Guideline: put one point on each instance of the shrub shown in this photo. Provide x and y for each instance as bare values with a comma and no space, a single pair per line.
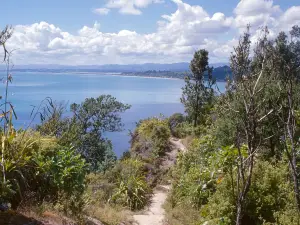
19,166
132,188
100,188
183,130
151,138
132,192
62,170
174,122
194,180
268,201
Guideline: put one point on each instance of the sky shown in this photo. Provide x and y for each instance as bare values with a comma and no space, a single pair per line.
96,32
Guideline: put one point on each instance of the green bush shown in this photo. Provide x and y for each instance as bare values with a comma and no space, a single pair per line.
62,170
183,130
132,192
132,189
194,180
151,138
36,165
268,202
175,121
19,166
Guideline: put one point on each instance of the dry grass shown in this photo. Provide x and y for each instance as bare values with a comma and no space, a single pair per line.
187,141
182,215
47,214
111,215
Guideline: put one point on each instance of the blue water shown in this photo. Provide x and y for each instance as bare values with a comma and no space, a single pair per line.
147,96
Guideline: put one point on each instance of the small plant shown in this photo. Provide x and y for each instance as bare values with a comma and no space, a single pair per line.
132,192
132,188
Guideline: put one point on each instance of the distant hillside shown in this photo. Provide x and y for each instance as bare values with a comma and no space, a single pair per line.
174,67
175,70
220,73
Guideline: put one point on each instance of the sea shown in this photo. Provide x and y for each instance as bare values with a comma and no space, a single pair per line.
147,96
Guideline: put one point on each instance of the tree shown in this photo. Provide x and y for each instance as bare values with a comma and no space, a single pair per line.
85,130
286,60
198,92
244,102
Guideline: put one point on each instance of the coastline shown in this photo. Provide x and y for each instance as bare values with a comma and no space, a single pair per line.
119,74
101,73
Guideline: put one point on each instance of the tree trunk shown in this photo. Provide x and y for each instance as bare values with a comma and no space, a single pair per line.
291,126
196,111
239,215
296,185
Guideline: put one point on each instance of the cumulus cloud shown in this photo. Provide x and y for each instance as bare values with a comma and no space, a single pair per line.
131,6
290,17
258,13
177,36
101,11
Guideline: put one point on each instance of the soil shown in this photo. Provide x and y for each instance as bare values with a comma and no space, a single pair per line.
155,213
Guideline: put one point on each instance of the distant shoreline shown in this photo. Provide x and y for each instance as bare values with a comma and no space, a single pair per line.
119,74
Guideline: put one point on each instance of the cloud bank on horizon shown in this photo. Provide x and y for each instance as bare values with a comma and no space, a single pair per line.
176,37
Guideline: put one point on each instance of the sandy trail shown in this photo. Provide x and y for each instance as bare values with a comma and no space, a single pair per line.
177,144
155,213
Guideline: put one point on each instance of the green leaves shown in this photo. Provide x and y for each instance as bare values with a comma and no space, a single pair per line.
85,129
151,137
132,189
91,119
61,171
198,93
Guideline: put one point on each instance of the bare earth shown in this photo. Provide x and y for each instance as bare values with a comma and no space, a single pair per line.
155,213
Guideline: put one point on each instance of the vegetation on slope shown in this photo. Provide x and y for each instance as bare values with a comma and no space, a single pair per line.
241,167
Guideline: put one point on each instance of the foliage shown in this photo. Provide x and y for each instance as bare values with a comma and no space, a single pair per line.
62,171
53,123
85,130
132,189
175,121
39,165
248,152
151,138
198,92
100,188
266,200
180,214
194,181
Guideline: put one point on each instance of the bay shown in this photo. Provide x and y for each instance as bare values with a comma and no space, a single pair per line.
147,96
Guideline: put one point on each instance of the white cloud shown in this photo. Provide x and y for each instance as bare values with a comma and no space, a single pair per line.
290,17
258,13
101,11
131,6
178,35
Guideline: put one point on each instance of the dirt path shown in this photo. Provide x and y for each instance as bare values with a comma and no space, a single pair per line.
155,213
177,144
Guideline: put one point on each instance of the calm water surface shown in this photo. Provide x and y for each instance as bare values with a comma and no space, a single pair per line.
147,96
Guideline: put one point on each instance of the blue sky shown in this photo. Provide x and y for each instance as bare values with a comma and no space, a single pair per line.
136,31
